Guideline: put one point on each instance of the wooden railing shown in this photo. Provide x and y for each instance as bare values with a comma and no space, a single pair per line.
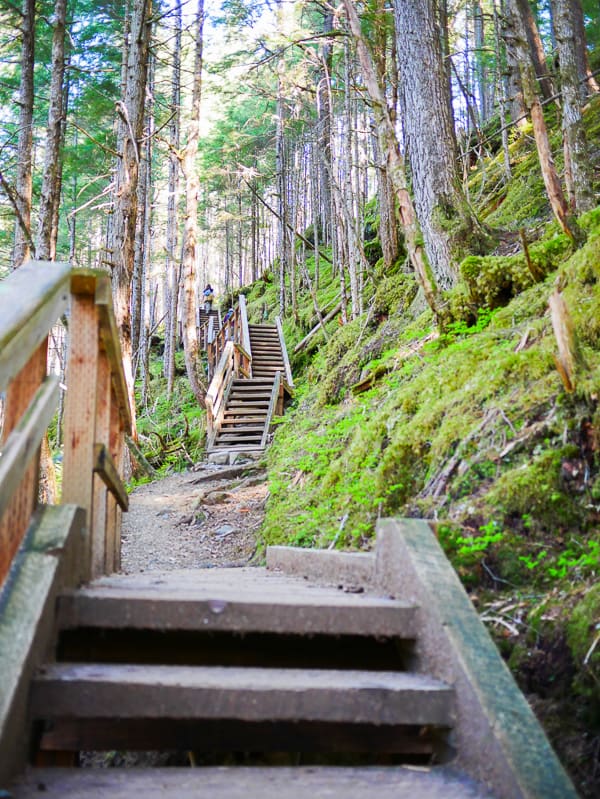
288,369
234,362
236,330
96,411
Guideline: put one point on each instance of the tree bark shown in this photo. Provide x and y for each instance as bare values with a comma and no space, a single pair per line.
532,101
172,262
579,186
51,181
536,48
191,345
23,187
130,131
389,145
448,225
588,84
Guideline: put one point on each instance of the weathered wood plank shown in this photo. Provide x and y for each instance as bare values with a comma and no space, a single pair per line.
17,514
100,514
106,469
80,409
176,605
392,782
102,690
112,345
23,442
231,736
31,300
46,564
271,409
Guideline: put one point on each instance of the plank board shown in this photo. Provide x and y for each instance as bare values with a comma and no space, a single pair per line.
307,782
83,690
241,599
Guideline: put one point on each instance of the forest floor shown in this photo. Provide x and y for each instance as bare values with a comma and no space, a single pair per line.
203,518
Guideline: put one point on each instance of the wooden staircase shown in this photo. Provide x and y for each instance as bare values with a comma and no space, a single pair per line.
248,386
247,415
322,678
267,355
234,660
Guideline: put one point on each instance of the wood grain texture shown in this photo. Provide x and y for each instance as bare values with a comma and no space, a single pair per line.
24,441
131,691
17,514
31,300
80,409
99,515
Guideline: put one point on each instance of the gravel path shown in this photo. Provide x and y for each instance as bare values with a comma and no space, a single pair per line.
200,519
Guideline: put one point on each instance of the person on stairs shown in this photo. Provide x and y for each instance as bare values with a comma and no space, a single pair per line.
209,296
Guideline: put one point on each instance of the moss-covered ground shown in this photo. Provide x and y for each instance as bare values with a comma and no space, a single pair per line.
472,428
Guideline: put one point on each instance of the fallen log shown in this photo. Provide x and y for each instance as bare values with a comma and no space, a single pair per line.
317,327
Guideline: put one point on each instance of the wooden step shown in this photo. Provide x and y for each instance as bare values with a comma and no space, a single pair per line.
234,415
240,434
251,391
247,782
242,420
129,691
237,600
246,429
249,404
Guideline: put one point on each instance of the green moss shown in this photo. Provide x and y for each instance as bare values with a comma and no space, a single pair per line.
534,487
494,280
584,628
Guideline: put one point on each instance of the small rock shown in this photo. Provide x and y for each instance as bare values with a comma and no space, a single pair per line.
225,529
216,497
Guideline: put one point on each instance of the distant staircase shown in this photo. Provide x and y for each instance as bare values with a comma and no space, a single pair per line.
251,376
267,355
247,415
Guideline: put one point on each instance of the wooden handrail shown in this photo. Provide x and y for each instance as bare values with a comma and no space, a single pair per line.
245,329
97,413
288,369
272,407
31,299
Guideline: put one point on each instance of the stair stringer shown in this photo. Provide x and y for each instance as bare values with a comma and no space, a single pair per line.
496,737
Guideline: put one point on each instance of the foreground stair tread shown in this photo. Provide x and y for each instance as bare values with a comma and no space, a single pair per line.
302,782
100,690
249,599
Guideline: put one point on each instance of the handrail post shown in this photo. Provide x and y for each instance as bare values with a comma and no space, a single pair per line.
286,360
80,413
245,329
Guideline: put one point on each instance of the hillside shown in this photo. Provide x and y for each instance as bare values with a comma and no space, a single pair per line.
468,425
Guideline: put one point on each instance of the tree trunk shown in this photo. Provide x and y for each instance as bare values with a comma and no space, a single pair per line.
191,345
143,201
449,228
130,131
536,48
50,195
551,180
513,89
23,240
324,129
389,145
173,272
579,186
587,82
480,63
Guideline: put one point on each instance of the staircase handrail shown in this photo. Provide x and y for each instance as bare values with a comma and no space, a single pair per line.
274,401
288,369
245,329
96,414
217,391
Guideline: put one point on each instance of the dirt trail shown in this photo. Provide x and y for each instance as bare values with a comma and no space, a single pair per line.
199,519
